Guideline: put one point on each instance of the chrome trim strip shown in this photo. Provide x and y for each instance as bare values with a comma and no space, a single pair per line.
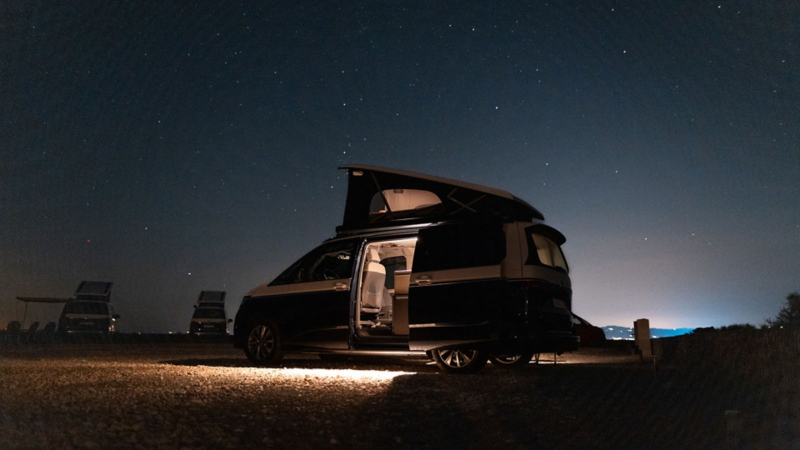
301,288
460,274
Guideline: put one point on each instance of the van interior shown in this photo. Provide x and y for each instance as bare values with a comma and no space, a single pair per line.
383,293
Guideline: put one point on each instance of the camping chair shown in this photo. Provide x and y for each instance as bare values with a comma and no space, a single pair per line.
12,332
31,333
47,333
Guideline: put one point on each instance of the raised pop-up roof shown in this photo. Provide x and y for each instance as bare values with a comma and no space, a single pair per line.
378,197
94,290
216,298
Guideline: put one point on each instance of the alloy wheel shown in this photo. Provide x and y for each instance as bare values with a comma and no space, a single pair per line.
261,342
457,358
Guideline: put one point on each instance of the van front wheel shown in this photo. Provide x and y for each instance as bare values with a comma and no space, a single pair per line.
263,344
460,361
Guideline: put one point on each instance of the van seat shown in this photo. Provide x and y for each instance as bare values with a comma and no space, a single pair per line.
372,288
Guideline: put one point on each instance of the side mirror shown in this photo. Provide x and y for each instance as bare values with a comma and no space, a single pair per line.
230,320
115,316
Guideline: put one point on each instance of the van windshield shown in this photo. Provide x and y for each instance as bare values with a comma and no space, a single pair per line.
86,308
542,250
209,313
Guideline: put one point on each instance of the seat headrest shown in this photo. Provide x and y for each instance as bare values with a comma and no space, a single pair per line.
373,255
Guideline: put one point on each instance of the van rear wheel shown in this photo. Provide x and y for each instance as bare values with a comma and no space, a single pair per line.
511,361
263,344
460,361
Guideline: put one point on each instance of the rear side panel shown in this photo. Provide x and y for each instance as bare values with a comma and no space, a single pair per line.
471,287
456,288
447,311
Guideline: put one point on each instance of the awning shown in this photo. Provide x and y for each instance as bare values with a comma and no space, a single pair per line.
43,299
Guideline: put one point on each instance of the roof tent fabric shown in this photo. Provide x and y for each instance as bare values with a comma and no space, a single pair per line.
94,290
459,200
211,297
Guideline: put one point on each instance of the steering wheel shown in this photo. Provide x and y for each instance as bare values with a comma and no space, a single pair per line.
330,274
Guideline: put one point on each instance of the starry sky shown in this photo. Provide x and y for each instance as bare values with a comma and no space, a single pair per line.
177,148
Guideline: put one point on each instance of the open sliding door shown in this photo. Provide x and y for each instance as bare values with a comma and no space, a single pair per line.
455,280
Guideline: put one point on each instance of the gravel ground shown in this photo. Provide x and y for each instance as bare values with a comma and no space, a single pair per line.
205,395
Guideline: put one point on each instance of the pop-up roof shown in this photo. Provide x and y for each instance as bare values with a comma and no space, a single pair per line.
378,197
94,290
215,297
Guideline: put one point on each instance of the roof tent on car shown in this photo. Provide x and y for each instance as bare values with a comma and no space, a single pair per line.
94,290
379,197
211,298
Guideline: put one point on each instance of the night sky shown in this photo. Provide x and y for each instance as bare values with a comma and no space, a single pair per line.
174,149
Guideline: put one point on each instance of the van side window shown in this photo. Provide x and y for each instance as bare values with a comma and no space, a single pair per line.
542,250
80,307
328,262
458,246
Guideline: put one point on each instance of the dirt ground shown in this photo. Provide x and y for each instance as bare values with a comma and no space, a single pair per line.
207,396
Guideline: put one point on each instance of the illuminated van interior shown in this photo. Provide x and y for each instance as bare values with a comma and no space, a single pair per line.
383,294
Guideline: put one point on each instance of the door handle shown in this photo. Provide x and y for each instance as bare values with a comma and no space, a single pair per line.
339,287
423,280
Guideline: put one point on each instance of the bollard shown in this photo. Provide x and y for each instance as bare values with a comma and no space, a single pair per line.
641,336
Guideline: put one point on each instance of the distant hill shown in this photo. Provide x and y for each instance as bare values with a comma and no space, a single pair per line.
614,332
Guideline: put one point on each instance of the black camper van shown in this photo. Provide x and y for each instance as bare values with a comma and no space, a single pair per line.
89,312
209,314
420,264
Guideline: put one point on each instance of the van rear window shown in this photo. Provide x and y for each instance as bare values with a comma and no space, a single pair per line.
86,308
209,313
542,250
459,246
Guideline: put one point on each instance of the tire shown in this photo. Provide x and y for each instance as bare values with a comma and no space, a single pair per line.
518,361
460,361
263,343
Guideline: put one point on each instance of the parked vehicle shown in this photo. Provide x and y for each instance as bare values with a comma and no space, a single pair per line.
209,315
90,311
590,335
420,264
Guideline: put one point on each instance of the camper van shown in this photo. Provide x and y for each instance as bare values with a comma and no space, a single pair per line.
420,265
89,312
209,314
